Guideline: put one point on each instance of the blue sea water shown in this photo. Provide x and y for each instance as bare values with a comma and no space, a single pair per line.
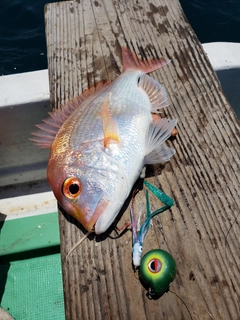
22,37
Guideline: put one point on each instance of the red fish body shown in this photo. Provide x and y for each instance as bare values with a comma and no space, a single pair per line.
101,140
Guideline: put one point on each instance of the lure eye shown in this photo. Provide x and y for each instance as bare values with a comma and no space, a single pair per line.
154,265
71,188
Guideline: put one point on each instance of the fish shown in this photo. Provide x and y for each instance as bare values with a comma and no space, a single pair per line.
101,140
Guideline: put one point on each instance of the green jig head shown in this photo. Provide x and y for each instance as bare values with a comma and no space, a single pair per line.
157,270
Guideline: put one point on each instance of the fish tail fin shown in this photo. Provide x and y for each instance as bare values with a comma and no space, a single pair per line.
131,61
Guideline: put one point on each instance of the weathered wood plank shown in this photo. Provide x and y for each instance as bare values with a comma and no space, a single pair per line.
84,40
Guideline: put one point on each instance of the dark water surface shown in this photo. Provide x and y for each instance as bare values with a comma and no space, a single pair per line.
214,20
22,37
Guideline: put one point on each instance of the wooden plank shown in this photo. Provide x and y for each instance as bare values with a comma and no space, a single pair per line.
84,40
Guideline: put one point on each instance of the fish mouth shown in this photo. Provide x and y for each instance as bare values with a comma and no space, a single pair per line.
89,225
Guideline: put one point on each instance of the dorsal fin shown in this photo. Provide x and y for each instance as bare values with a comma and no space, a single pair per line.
51,125
131,61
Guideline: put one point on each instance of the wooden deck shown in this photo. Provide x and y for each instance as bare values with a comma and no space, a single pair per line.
84,40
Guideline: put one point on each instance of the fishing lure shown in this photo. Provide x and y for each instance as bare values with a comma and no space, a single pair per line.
138,232
157,270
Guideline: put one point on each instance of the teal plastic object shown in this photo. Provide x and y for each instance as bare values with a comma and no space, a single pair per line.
27,237
31,289
157,271
30,268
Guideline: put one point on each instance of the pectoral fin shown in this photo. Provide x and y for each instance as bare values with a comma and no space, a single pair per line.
156,150
156,93
110,128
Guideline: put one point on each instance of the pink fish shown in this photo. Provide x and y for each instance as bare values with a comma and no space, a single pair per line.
100,141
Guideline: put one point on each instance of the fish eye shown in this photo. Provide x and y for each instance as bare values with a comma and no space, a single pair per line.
71,188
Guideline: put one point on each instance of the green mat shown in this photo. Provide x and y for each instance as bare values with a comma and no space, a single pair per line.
30,268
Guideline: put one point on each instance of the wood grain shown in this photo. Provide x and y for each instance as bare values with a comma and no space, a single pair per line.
84,40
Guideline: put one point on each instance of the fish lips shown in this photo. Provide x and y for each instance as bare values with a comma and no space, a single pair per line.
89,218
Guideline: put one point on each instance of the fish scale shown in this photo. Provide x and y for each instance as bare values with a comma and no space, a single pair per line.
88,122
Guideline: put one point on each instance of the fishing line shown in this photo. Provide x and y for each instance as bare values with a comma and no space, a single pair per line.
78,243
190,315
151,297
136,276
124,229
226,241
